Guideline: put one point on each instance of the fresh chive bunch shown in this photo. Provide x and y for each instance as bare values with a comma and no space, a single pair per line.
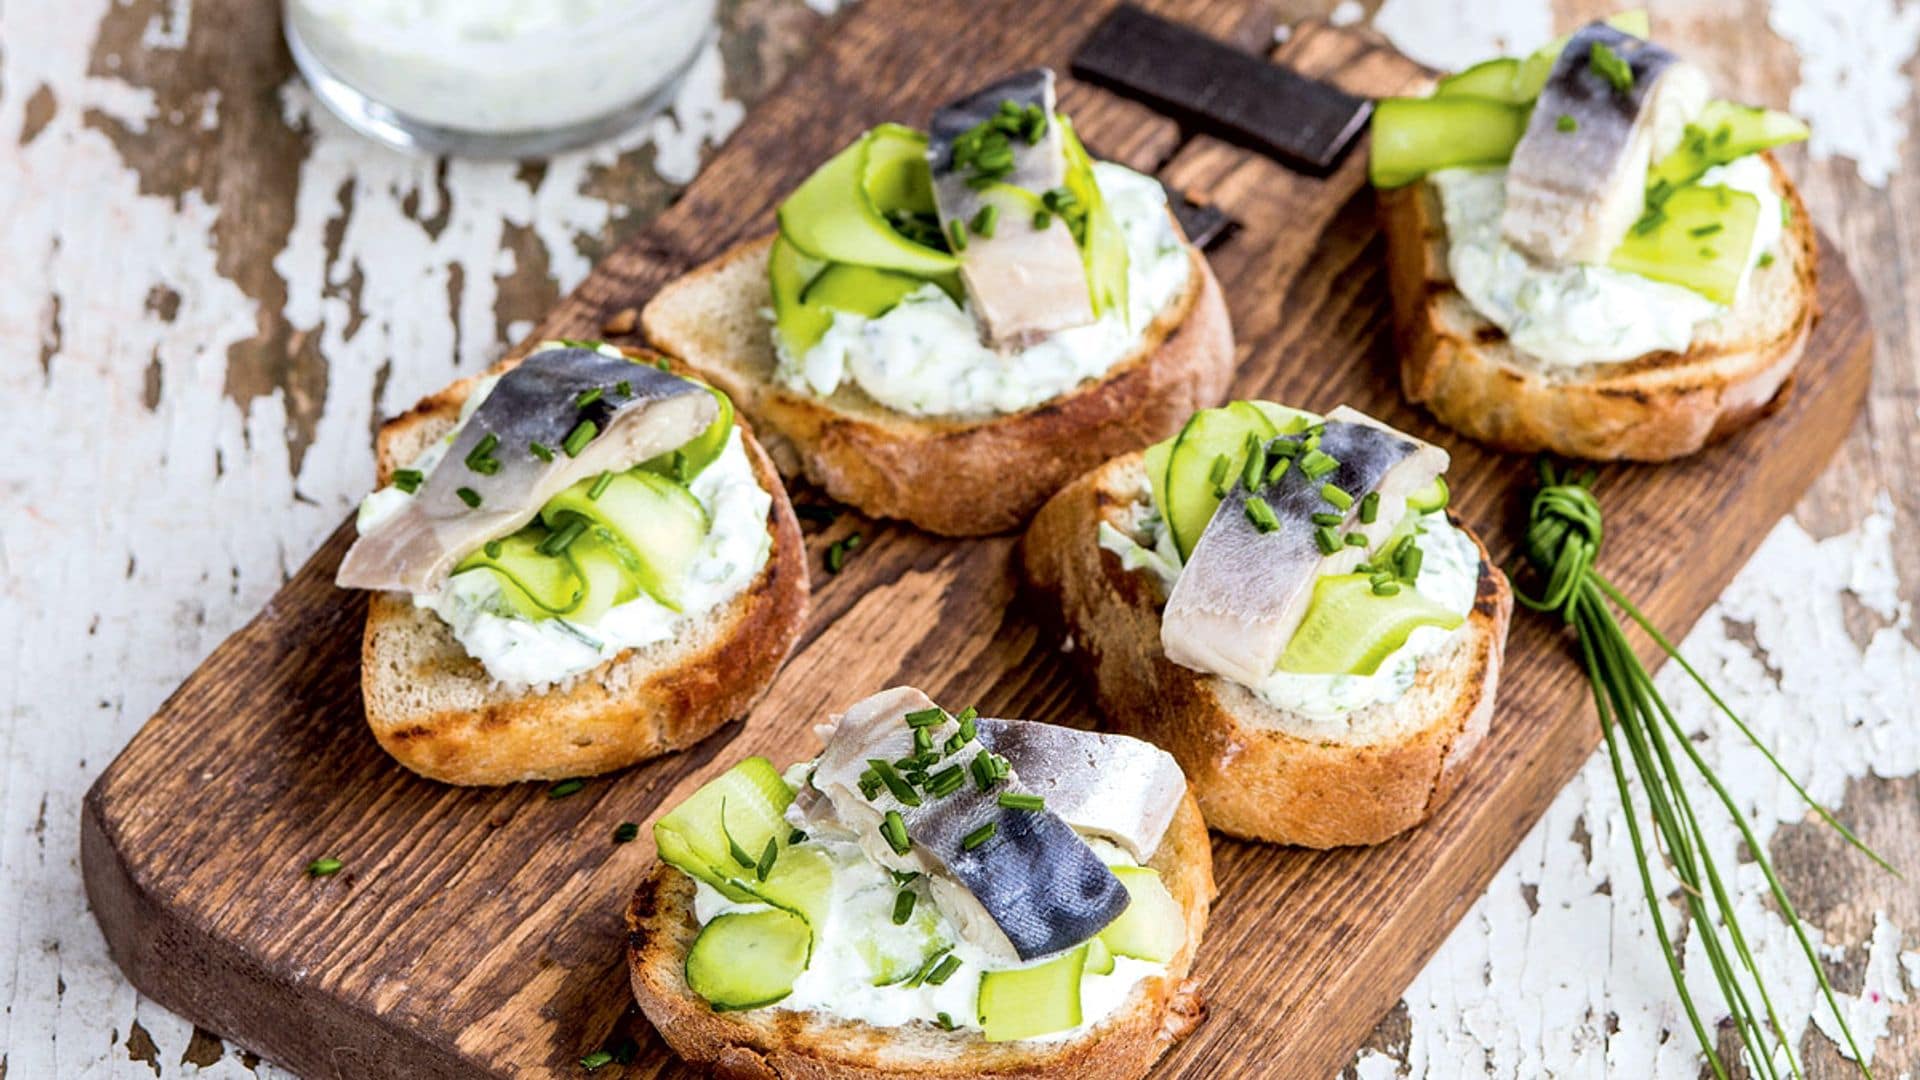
1563,545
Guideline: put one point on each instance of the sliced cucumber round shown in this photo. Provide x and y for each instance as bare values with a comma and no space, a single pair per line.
799,324
1495,79
702,450
1192,495
801,879
831,216
1415,136
656,521
694,837
534,584
1027,1002
1152,927
1099,957
1349,629
748,959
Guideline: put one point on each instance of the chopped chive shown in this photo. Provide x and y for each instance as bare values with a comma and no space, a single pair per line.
588,397
1017,800
662,364
577,439
596,1060
1336,495
904,877
565,788
625,832
895,785
1279,469
1705,230
480,459
767,857
1286,448
600,486
1370,508
979,836
894,829
1261,514
903,902
944,970
982,773
927,967
540,450
468,496
957,235
966,719
955,742
922,742
1217,475
796,837
838,551
1317,463
984,221
1766,259
1042,218
944,1021
492,548
1608,65
1256,466
1386,588
557,542
408,480
623,388
1327,518
1410,564
1324,538
1354,539
920,718
325,866
1566,123
946,781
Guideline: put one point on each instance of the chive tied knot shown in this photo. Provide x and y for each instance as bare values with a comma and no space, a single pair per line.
1564,529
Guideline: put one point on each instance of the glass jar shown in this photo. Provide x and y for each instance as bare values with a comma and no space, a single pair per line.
495,78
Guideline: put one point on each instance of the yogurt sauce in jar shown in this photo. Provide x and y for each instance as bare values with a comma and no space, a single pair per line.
498,78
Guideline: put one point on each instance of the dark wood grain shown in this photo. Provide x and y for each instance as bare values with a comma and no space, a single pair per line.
478,932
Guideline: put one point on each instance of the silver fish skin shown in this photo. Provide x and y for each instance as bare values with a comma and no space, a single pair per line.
1025,283
1572,195
1243,593
1122,789
416,549
1034,889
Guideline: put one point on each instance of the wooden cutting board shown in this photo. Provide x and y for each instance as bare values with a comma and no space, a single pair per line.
478,932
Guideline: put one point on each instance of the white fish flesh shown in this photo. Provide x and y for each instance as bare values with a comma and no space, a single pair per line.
1024,283
1032,889
1122,789
1243,592
538,401
1576,185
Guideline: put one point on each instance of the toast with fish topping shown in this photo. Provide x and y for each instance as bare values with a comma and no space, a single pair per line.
948,326
449,714
1647,291
1058,946
1300,713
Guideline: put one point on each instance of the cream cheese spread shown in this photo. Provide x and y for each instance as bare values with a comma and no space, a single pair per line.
838,979
924,357
1449,576
1579,314
521,651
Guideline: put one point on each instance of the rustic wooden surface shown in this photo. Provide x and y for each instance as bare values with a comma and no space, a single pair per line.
244,420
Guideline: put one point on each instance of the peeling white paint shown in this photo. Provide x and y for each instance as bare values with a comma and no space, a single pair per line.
1853,82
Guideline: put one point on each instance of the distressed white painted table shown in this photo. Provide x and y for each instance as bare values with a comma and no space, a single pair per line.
214,291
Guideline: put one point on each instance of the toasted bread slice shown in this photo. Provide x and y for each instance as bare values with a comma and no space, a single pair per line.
952,476
1261,773
1655,407
435,709
765,1044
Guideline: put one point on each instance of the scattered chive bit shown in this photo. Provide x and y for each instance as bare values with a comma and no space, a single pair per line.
1608,65
904,877
1370,508
600,486
325,866
1649,221
588,397
1286,448
1326,517
944,970
1566,123
894,829
1218,474
979,836
1410,564
922,742
768,855
480,459
596,1060
1705,230
892,780
1336,495
838,551
1256,466
796,837
625,832
577,439
953,744
624,388
1708,252
561,540
565,788
1261,514
408,480
982,773
946,781
920,718
662,364
1766,259
984,221
1042,218
926,968
817,513
957,235
1386,588
1017,800
1317,463
468,496
944,1021
903,902
1279,469
734,849
1354,539
492,548
540,450
1324,538
966,718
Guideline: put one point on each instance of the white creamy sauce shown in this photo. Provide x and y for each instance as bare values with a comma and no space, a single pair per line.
839,978
1449,576
1580,314
536,652
498,66
924,356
